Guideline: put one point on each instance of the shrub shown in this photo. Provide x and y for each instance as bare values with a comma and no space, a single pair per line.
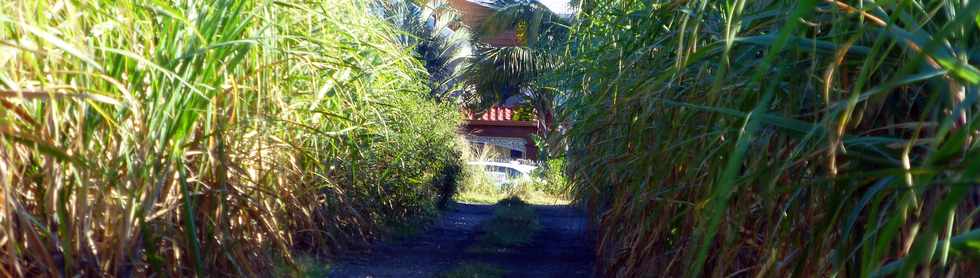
550,178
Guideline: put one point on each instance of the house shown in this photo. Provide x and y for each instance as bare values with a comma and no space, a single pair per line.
499,132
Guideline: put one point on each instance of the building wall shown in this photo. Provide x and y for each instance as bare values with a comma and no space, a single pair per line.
521,130
474,15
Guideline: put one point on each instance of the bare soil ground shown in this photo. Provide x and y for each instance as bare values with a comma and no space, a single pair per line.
560,249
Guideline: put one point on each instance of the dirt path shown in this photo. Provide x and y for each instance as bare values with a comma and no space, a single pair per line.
559,249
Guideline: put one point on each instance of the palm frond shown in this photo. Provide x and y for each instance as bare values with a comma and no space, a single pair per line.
433,31
540,23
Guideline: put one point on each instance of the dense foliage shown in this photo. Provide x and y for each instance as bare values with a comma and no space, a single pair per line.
775,138
434,32
207,137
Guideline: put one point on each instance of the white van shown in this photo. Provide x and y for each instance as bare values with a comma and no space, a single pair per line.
503,173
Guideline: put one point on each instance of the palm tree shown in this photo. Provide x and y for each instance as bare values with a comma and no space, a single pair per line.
445,49
498,73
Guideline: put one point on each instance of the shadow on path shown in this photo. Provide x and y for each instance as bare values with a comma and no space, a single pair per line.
560,249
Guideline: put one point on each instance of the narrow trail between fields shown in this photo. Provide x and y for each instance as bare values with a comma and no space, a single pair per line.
561,248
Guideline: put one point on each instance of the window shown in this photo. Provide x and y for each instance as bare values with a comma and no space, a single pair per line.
516,154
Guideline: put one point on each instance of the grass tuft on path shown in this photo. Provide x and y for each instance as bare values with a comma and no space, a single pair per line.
475,270
514,224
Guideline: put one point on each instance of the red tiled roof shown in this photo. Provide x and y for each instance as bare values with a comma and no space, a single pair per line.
494,114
